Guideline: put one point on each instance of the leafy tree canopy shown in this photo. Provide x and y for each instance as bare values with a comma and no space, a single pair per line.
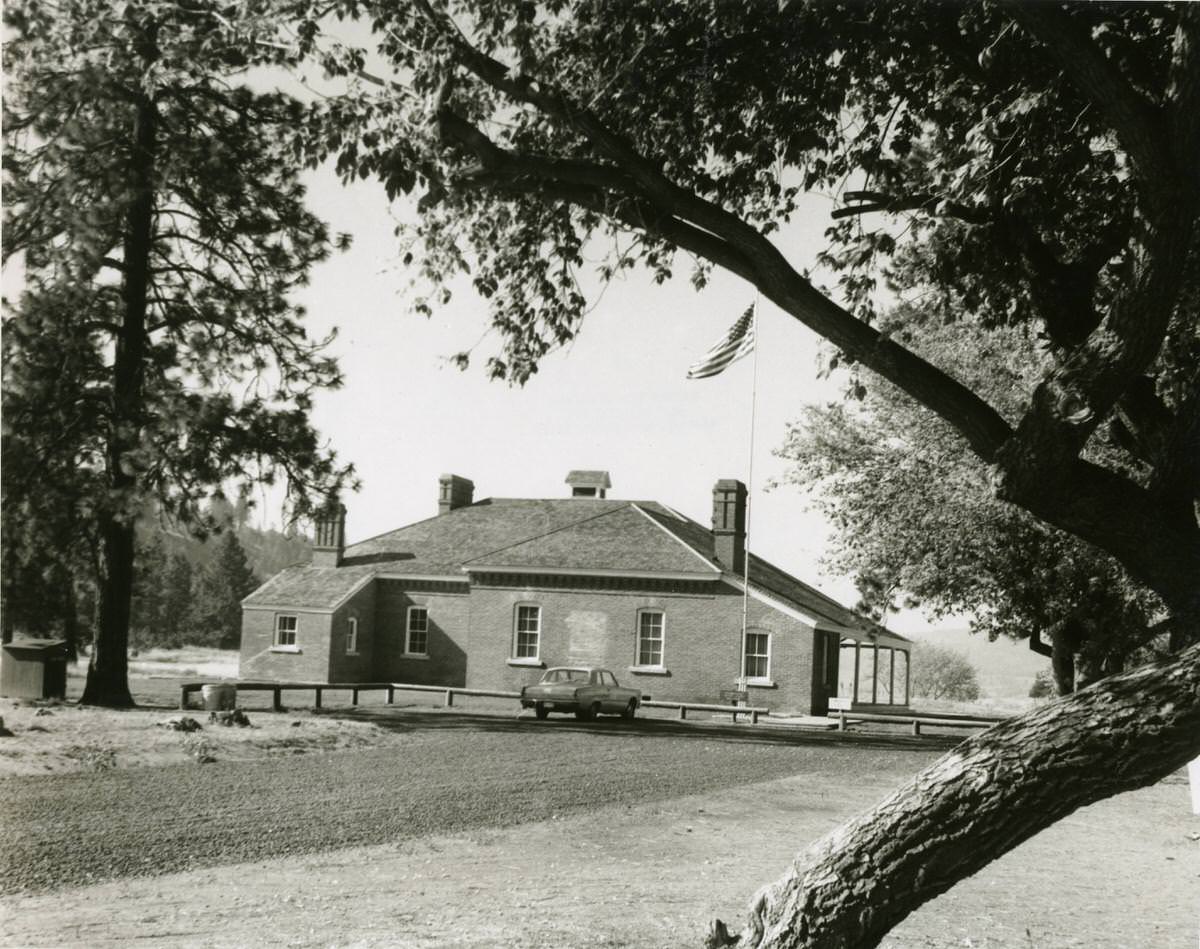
155,201
917,518
1026,164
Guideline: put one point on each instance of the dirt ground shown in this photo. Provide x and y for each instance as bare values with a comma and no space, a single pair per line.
1122,874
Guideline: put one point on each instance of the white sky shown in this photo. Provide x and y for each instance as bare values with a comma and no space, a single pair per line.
616,399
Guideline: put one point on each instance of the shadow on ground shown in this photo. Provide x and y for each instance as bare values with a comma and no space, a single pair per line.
408,718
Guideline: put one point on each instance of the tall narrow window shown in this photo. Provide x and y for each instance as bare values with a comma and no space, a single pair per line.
758,655
416,642
650,638
528,632
352,636
285,630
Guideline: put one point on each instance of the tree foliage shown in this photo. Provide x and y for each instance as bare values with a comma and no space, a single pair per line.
939,672
917,517
225,582
1026,165
154,352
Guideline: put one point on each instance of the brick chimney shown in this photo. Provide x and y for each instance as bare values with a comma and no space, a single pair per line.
588,484
454,492
729,524
330,542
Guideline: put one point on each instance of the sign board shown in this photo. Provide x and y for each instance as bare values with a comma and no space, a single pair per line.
839,704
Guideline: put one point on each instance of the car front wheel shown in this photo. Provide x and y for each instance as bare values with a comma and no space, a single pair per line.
540,710
630,710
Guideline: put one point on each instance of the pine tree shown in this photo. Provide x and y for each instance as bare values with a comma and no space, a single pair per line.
226,581
177,600
153,353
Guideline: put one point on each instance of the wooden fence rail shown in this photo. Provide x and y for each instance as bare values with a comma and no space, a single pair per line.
187,689
915,719
735,710
354,688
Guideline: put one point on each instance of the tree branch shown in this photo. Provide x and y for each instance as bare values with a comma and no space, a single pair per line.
1137,121
981,425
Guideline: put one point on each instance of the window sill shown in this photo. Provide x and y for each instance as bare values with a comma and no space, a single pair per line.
422,656
649,670
286,649
535,663
760,684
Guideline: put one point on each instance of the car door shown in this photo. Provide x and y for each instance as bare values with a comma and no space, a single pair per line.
612,701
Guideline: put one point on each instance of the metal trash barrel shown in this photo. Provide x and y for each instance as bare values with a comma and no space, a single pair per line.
219,696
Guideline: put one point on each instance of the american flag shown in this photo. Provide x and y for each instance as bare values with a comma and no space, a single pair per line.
738,342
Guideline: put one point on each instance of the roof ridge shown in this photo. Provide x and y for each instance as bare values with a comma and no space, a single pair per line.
675,537
544,534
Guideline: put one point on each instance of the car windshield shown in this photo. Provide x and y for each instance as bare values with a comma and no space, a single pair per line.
565,675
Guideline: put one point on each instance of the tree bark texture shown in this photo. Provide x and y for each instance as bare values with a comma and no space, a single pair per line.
108,672
979,801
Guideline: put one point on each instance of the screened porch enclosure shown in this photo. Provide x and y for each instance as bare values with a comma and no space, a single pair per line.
870,673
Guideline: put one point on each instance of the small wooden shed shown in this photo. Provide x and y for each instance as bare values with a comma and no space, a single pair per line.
33,669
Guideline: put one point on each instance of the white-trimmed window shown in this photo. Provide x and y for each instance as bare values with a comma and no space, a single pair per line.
757,665
416,637
352,636
527,631
287,625
651,626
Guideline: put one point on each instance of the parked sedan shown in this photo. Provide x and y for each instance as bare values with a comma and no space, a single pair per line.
584,690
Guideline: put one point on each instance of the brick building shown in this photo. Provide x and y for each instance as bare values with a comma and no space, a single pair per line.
488,593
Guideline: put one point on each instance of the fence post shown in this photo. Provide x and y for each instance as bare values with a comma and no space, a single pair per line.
391,694
183,694
354,696
449,697
682,712
916,727
841,719
318,705
754,718
277,699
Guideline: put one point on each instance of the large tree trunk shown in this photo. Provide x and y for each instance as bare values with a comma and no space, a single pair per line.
108,672
985,797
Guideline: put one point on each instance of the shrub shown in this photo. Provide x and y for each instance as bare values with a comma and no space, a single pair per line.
1043,686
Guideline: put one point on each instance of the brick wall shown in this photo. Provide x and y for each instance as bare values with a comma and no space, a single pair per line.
702,641
260,660
449,608
360,667
580,624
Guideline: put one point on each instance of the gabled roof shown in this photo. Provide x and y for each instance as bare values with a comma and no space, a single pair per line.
597,535
306,587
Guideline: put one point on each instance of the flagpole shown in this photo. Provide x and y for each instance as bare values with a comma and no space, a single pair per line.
749,494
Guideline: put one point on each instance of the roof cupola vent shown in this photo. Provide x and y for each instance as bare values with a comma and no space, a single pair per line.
588,484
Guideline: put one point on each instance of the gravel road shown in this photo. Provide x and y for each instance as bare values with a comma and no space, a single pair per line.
452,772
